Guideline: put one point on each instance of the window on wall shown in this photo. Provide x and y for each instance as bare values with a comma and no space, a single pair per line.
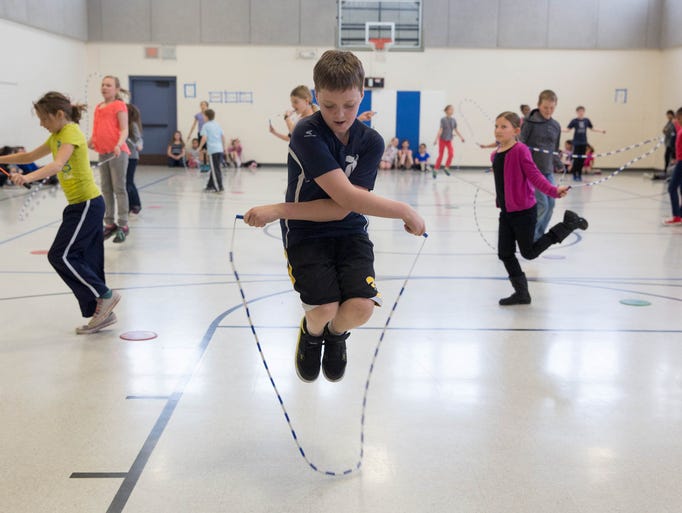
397,24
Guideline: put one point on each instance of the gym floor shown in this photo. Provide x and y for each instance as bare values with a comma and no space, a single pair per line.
570,404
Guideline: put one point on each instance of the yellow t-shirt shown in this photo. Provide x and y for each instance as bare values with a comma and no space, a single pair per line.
76,176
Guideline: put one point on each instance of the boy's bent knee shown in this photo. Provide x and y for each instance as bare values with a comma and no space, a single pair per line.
359,308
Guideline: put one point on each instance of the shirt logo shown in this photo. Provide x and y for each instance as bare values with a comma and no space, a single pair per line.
352,161
309,133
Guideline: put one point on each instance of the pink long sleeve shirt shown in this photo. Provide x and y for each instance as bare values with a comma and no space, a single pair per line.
521,178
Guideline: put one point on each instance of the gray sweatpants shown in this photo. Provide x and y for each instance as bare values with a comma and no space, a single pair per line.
113,175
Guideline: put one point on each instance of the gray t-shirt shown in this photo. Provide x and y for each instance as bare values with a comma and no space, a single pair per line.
447,125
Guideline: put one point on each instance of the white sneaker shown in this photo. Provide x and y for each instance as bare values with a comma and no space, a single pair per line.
105,306
93,326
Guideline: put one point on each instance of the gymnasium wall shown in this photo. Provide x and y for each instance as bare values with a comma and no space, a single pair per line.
558,24
671,17
64,17
34,62
496,79
256,46
671,83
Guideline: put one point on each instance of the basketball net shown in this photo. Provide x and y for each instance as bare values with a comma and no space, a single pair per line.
380,46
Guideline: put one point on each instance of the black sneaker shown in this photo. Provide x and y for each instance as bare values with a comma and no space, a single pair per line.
334,359
308,352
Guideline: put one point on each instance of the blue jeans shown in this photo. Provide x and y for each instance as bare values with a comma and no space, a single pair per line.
545,209
675,189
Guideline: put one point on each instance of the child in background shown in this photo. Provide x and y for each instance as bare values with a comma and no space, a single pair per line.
421,160
213,138
234,153
541,130
199,119
194,157
32,166
389,159
525,111
25,168
6,150
670,136
301,107
109,134
333,161
77,253
516,177
446,132
405,160
567,157
675,185
580,125
135,145
588,166
176,150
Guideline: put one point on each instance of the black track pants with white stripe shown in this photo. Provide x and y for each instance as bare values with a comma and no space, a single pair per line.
77,253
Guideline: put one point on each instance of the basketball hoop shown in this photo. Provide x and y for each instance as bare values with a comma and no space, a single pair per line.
380,45
380,36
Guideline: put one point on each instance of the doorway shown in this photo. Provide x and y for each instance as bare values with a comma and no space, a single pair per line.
156,97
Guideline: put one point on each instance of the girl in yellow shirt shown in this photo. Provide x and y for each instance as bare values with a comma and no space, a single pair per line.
77,253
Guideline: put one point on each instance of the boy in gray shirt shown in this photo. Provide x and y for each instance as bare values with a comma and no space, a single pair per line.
539,130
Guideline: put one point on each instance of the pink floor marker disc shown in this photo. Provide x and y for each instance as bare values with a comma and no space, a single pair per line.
39,252
138,335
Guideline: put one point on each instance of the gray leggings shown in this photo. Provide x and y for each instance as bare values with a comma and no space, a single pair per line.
113,175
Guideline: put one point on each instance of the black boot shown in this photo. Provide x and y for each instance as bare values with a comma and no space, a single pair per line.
571,222
521,296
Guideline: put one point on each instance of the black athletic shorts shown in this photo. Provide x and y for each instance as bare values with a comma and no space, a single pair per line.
333,269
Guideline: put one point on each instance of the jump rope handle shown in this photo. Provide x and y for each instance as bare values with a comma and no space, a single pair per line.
26,185
241,216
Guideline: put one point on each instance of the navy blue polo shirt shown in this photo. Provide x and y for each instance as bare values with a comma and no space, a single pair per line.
313,151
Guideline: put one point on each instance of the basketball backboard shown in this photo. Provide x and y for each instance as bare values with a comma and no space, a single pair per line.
397,25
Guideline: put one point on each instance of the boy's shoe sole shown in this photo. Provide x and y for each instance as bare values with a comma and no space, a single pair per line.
87,329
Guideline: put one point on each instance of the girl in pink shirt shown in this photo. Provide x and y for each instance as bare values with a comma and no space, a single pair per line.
516,178
109,134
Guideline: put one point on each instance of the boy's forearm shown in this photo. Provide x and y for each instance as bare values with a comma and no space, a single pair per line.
365,202
319,211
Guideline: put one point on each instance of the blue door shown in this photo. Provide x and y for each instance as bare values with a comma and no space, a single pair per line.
156,97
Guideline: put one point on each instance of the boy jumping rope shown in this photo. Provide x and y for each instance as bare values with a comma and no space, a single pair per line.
333,161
